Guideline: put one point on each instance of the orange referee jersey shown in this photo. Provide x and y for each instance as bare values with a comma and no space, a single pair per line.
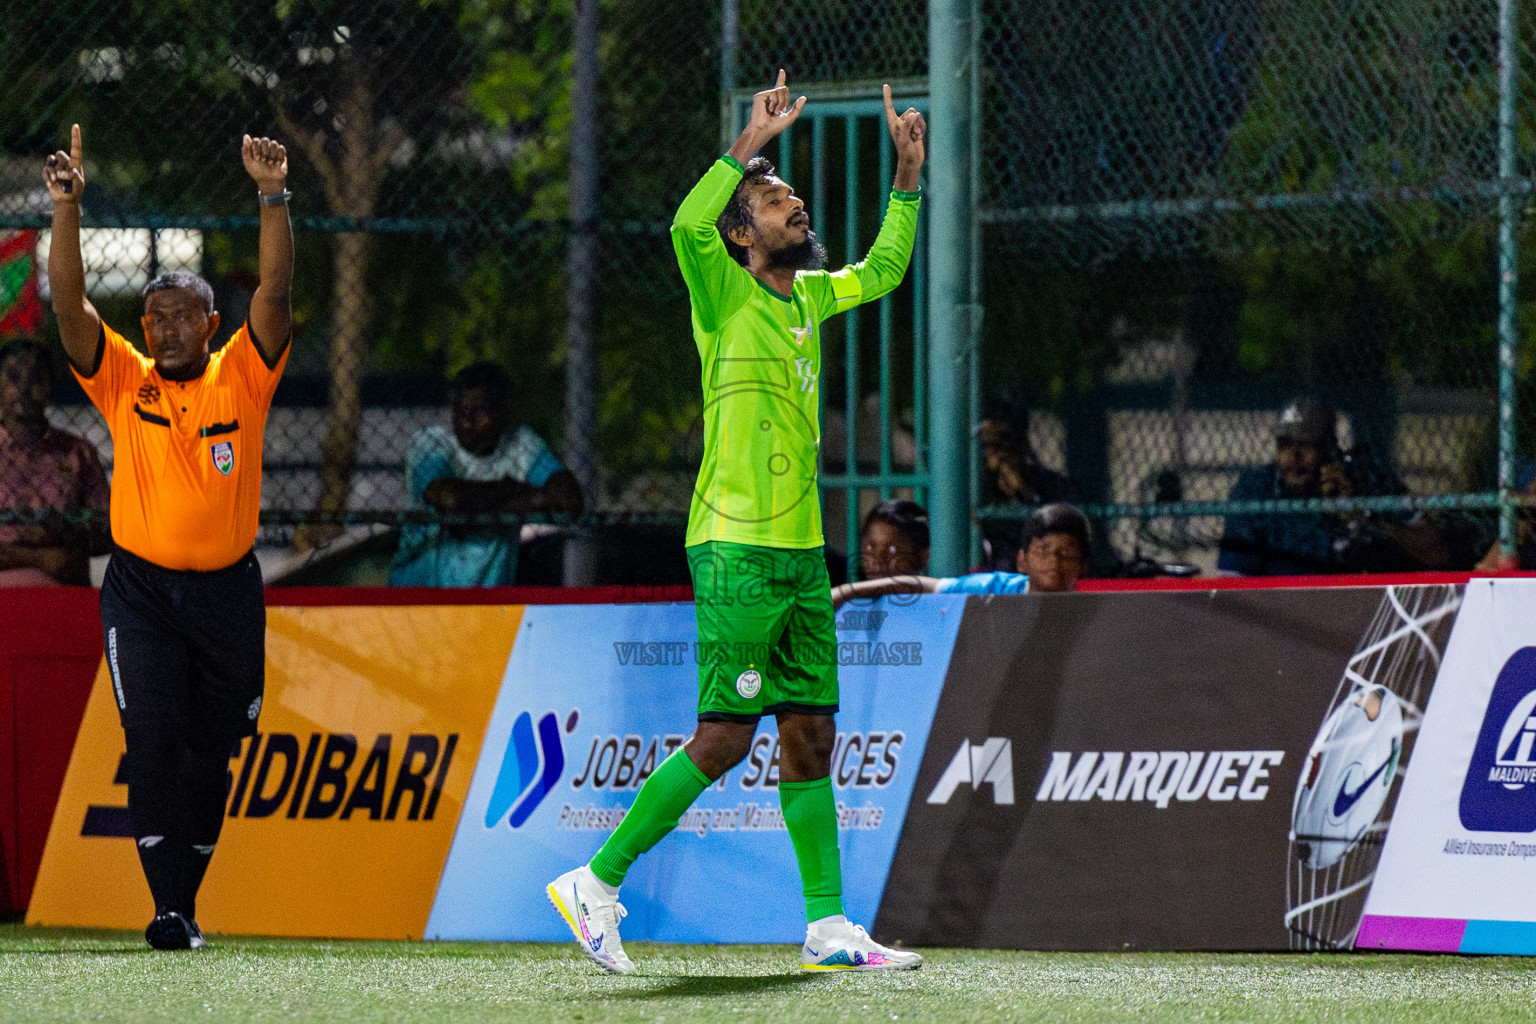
186,479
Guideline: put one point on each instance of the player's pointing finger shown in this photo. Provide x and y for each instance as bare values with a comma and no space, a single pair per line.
780,83
890,109
75,151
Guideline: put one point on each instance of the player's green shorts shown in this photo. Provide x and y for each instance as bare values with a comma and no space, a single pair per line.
767,641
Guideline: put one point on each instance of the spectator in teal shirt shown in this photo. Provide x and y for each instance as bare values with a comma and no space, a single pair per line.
483,464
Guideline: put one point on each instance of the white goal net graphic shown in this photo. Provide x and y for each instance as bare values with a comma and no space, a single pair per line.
1351,777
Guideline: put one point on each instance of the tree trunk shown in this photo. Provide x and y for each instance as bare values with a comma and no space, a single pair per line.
352,190
352,313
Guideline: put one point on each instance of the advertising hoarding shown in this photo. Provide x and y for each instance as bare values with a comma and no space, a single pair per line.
1162,771
341,810
594,698
1458,873
1133,765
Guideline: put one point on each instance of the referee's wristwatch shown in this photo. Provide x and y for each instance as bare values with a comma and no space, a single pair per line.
275,199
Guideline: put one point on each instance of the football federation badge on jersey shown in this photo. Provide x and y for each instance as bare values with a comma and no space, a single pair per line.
801,333
749,683
223,456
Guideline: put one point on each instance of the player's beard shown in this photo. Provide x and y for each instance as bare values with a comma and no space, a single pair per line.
807,255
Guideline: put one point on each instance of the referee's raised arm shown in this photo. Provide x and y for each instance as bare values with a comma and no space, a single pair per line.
271,316
79,323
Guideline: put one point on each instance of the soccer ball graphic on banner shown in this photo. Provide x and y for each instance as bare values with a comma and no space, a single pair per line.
1347,775
1354,770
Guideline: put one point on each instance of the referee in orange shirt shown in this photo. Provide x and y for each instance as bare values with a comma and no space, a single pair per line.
182,611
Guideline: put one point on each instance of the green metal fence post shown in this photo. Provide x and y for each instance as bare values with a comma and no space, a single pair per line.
1509,256
887,151
851,370
973,339
730,24
949,293
860,109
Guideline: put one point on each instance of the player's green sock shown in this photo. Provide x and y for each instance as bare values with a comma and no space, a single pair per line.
670,790
811,818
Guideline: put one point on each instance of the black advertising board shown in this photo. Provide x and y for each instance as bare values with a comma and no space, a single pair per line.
1117,771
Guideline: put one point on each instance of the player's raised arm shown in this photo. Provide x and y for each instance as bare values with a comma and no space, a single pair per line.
886,264
907,132
717,284
79,323
772,112
271,316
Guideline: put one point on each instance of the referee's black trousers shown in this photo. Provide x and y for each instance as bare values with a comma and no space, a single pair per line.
186,651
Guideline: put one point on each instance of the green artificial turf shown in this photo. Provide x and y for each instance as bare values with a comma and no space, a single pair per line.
71,975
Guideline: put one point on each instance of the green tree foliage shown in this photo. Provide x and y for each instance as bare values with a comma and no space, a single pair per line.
442,126
1330,172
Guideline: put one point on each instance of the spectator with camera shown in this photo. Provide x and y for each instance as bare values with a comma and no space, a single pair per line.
1310,463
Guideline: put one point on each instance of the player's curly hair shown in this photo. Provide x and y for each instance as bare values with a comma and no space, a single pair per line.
736,213
182,279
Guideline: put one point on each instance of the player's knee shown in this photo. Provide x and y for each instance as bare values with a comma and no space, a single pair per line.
805,746
717,747
719,758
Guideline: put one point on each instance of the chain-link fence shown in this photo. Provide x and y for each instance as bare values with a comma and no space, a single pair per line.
1190,213
430,147
1193,213
1233,205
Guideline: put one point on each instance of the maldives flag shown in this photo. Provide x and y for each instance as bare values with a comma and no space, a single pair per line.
21,310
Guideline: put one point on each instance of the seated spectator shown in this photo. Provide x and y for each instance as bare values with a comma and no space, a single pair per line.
484,464
1056,548
1051,558
894,540
45,470
1011,475
1310,464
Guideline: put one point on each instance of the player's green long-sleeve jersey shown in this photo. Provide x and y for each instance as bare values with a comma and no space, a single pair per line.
761,355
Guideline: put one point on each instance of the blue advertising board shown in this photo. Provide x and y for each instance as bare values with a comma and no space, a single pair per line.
595,697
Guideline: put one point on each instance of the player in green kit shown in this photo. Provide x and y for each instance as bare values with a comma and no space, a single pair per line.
767,641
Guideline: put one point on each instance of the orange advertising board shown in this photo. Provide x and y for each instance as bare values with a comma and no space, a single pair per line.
341,810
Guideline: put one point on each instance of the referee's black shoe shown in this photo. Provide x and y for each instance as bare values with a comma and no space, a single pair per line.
169,930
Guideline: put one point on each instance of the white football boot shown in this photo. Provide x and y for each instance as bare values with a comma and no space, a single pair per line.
847,947
593,917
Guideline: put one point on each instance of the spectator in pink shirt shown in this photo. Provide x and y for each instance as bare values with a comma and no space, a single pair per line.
48,473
